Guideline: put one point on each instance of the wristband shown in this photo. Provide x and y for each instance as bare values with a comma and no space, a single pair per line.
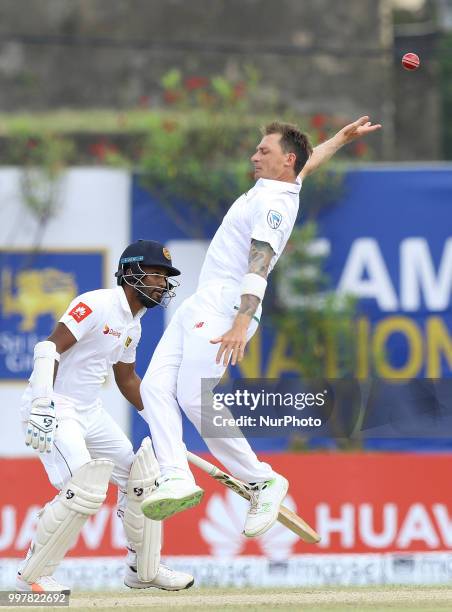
253,284
44,366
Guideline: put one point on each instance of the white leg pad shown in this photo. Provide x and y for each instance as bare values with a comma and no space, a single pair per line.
143,534
61,519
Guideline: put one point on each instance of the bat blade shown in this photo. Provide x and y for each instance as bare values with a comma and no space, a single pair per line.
286,517
296,524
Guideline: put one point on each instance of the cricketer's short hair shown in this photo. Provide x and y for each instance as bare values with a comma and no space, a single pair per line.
292,141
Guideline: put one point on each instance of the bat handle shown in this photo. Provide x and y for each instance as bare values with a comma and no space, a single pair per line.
226,479
202,464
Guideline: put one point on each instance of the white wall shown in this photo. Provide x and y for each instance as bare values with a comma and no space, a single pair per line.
94,213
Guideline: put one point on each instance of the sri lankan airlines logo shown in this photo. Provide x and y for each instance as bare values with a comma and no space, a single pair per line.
37,292
36,289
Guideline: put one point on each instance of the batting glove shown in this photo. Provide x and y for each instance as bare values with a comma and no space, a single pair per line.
41,425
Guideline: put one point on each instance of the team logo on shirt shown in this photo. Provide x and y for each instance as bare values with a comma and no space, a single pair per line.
198,325
109,331
274,219
128,341
80,312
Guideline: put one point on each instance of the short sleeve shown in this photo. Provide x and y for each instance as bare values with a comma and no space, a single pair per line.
82,316
129,354
272,223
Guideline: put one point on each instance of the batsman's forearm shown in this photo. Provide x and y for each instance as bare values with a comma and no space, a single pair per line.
131,391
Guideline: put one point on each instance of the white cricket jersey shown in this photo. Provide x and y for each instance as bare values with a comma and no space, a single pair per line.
267,212
106,333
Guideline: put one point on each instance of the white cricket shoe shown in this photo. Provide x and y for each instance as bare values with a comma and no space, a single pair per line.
171,495
166,579
46,584
266,498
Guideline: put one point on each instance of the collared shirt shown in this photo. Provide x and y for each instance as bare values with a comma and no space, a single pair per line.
106,333
267,213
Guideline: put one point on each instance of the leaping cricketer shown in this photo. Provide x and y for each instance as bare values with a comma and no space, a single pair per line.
225,311
80,445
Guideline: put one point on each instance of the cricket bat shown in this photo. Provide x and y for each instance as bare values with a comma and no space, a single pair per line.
286,517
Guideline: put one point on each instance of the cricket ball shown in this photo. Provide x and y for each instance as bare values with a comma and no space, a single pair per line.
411,61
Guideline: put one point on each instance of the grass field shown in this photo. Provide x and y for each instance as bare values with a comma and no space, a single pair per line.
377,599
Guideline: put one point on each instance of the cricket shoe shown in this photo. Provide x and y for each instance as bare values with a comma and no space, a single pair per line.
44,584
265,500
166,579
171,495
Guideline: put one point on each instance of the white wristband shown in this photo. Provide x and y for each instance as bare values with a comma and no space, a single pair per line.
253,284
44,365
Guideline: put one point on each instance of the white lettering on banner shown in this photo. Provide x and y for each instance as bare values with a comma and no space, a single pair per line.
364,525
92,534
417,274
417,527
389,529
8,526
365,258
344,525
366,275
94,529
444,523
17,350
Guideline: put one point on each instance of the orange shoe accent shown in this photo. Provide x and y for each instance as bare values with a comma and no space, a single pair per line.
37,588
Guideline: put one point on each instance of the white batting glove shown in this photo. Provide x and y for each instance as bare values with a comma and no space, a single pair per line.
41,425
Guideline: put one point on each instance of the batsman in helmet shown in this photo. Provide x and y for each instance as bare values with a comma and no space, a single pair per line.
80,445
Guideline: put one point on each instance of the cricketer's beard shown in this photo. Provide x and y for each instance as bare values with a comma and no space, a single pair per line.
146,301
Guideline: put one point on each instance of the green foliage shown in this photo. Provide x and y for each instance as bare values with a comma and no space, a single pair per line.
201,158
322,189
202,165
216,93
319,323
172,79
43,160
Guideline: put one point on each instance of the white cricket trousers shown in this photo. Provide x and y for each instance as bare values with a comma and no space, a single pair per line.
85,433
182,358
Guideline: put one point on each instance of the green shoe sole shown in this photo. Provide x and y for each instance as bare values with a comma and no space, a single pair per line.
164,508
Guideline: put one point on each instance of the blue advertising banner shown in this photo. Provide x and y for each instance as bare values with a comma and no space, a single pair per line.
35,290
389,241
390,244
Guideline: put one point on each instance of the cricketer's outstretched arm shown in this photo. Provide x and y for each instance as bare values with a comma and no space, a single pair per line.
325,151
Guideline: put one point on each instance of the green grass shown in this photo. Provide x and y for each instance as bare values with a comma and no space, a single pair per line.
105,121
331,599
